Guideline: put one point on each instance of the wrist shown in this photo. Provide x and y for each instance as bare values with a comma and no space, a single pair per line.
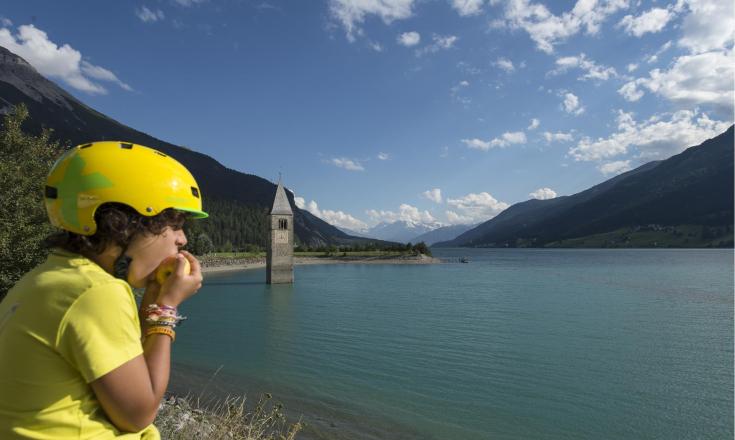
167,302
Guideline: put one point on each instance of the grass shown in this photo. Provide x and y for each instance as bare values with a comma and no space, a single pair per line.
186,418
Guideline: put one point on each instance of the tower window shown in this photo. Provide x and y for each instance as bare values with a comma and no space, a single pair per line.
282,223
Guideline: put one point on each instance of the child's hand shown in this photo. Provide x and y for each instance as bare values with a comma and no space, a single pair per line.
180,286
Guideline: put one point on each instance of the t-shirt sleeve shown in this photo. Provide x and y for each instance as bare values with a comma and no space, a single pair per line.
100,331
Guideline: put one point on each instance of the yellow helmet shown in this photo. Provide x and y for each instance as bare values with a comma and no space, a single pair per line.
91,174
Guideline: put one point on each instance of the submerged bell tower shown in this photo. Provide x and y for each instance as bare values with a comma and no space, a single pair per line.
279,258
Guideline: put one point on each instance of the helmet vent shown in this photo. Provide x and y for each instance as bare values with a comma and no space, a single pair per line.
86,146
126,146
160,154
51,192
195,192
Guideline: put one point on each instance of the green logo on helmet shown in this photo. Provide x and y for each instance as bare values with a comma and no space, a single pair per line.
74,183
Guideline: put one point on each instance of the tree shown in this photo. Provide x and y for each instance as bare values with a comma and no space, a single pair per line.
203,245
25,161
422,248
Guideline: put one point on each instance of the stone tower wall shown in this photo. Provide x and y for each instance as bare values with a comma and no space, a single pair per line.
279,258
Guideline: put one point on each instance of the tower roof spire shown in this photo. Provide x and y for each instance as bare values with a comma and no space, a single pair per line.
280,203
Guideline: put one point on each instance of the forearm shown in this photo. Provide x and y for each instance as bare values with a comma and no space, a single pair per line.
157,354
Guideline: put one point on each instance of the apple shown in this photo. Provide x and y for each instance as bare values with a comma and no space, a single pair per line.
168,266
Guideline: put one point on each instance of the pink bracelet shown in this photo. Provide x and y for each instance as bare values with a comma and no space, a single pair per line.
156,313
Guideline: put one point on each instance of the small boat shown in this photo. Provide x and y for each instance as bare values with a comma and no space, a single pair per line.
464,260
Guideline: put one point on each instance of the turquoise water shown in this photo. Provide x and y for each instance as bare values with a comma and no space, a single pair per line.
552,344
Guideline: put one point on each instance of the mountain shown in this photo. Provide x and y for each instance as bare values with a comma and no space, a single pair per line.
225,191
683,201
352,232
401,231
444,233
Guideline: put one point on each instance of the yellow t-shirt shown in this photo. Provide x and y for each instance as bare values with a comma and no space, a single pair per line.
66,323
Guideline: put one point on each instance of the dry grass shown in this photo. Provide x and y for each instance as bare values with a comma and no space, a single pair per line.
184,418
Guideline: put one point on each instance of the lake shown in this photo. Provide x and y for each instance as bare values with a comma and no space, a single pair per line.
519,343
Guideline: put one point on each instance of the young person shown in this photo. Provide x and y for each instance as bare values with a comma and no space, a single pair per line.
78,358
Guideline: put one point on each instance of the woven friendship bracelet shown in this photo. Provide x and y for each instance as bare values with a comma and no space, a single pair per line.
157,313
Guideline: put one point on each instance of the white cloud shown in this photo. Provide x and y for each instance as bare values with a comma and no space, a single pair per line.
517,137
654,58
710,25
615,168
102,74
435,195
547,29
702,79
505,64
377,47
658,137
352,13
406,213
474,208
467,7
558,137
653,20
592,69
571,104
440,42
336,218
149,16
632,67
534,124
630,91
348,164
65,62
5,22
543,194
383,156
409,39
189,3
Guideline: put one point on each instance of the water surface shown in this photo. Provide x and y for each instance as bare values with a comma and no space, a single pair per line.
552,344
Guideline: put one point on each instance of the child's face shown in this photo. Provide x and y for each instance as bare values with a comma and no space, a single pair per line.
149,251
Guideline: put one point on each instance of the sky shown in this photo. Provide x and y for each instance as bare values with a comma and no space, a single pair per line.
431,111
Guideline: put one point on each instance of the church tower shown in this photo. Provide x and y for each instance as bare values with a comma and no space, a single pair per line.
279,259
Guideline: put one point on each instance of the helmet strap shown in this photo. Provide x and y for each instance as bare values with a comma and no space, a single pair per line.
121,266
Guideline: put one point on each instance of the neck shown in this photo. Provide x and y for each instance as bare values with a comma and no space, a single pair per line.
106,259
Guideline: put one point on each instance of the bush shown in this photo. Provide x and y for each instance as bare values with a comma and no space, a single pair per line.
26,161
186,419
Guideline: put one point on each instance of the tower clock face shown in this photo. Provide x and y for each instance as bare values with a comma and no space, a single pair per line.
281,237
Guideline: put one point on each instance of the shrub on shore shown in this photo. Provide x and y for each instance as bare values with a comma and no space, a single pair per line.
26,160
184,418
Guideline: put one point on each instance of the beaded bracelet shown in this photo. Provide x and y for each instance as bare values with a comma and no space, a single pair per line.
162,323
162,331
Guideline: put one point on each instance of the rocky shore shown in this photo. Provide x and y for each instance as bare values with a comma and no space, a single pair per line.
220,264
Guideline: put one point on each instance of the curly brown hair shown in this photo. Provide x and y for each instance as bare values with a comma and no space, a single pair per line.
117,224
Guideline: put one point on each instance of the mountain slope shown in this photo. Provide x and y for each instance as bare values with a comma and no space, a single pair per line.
75,123
442,234
694,187
401,231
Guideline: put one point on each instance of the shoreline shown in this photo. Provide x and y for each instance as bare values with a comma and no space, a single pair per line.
227,265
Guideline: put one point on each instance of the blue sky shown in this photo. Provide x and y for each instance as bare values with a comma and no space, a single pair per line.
433,111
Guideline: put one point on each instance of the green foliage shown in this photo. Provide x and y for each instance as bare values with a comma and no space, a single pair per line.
232,226
422,248
25,161
201,244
